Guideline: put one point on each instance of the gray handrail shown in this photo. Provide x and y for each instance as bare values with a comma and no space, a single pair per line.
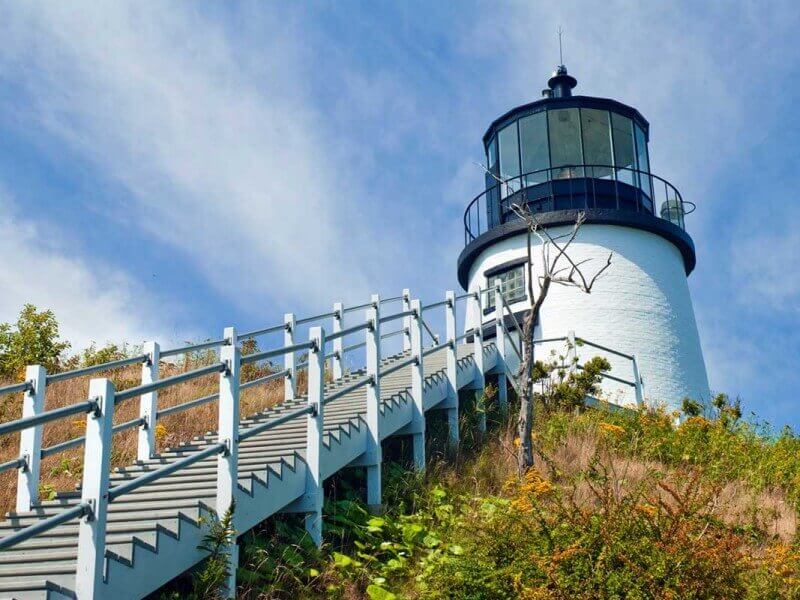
305,320
284,418
56,448
264,379
46,417
608,376
359,307
434,337
467,295
368,380
192,347
435,305
186,405
135,484
395,316
353,347
168,381
400,365
549,340
436,348
46,525
348,331
23,386
392,299
605,348
257,332
14,463
259,356
95,368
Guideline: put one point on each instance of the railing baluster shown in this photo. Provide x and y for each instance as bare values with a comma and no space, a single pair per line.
148,404
338,343
639,389
94,491
228,461
373,455
417,428
500,344
452,370
313,496
406,321
30,441
479,382
289,359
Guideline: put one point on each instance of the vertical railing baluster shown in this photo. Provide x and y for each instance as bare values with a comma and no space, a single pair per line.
373,455
479,383
338,343
313,496
30,441
290,358
452,370
500,345
94,492
148,404
572,351
417,428
406,321
228,461
637,378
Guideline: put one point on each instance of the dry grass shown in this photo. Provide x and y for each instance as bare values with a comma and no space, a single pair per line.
61,472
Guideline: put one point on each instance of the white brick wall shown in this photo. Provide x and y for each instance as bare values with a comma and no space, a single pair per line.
641,306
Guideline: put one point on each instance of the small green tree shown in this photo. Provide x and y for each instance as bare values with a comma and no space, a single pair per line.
33,340
564,388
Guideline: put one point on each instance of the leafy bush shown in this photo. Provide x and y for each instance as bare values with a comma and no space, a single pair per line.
33,339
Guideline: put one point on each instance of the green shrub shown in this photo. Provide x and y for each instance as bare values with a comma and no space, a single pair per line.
32,340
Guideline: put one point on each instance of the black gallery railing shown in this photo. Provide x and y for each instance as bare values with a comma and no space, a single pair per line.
575,187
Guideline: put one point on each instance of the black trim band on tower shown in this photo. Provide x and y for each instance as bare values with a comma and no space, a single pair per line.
636,220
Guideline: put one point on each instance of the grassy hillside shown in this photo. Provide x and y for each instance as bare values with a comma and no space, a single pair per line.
619,506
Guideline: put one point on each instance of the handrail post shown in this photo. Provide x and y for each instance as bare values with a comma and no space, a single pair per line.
289,359
572,352
479,383
148,404
500,344
313,497
417,428
338,343
228,461
30,441
94,491
406,320
637,377
373,457
452,368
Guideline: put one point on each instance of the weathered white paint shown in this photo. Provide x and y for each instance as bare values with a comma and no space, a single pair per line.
30,442
640,306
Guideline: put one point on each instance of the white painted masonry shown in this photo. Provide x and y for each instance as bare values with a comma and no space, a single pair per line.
641,306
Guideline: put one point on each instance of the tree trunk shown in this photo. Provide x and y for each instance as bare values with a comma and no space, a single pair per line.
525,420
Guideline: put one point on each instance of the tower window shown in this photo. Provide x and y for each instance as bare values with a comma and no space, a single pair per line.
512,285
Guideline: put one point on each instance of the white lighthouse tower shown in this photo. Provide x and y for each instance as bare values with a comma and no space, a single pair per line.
563,154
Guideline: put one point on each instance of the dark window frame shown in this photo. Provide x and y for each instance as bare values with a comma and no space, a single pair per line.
505,267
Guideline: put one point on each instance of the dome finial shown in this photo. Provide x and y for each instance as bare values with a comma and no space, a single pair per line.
560,83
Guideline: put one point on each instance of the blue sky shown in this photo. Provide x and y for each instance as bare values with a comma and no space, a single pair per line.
169,169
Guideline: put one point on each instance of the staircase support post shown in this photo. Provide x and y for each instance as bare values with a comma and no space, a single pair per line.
313,497
148,404
373,457
289,359
500,344
479,382
228,461
30,442
637,377
452,368
94,491
417,387
338,343
406,320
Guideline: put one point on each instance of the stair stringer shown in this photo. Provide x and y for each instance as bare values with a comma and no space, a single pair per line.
175,552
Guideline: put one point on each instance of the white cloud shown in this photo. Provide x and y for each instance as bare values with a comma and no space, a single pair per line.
223,153
91,303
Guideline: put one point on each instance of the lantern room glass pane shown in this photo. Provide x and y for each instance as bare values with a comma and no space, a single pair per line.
491,155
624,154
642,160
535,151
509,159
565,142
596,131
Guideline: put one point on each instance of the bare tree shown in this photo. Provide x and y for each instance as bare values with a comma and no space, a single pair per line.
557,267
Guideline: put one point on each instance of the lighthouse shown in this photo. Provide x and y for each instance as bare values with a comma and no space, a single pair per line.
561,155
